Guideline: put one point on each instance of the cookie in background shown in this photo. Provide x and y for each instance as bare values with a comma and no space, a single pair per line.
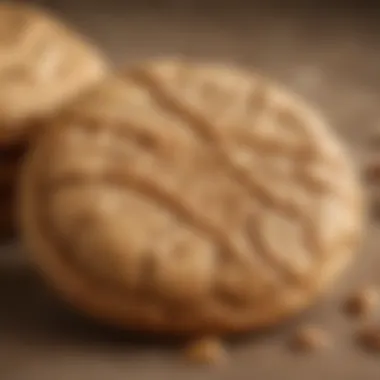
43,66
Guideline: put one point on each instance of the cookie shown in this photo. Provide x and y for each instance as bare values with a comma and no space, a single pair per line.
43,66
190,198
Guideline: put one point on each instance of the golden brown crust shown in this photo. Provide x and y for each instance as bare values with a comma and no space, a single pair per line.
190,198
43,65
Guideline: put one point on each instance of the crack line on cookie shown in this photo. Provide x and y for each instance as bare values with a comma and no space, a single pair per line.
153,192
172,202
209,133
200,221
253,233
206,130
274,262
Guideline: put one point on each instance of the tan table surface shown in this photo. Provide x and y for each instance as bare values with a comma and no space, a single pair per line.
330,56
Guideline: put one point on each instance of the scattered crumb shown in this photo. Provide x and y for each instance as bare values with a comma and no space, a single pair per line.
363,302
369,338
206,351
310,338
372,171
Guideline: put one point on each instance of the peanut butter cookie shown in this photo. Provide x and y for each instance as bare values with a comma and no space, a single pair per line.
43,65
192,198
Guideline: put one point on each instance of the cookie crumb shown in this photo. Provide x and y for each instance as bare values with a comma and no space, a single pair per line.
310,338
369,338
362,303
206,351
372,171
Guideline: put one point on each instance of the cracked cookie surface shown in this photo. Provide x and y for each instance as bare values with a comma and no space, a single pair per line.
190,198
43,65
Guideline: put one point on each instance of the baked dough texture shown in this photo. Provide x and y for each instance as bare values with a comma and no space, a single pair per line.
185,197
43,66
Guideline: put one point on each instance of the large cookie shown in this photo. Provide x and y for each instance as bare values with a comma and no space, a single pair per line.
190,198
43,66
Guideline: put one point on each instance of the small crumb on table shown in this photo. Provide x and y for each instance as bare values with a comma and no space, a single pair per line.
362,303
310,338
206,351
369,338
372,171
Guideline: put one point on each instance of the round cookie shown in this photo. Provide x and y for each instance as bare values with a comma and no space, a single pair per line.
190,198
43,66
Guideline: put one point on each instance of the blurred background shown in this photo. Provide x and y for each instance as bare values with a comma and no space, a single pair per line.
327,51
